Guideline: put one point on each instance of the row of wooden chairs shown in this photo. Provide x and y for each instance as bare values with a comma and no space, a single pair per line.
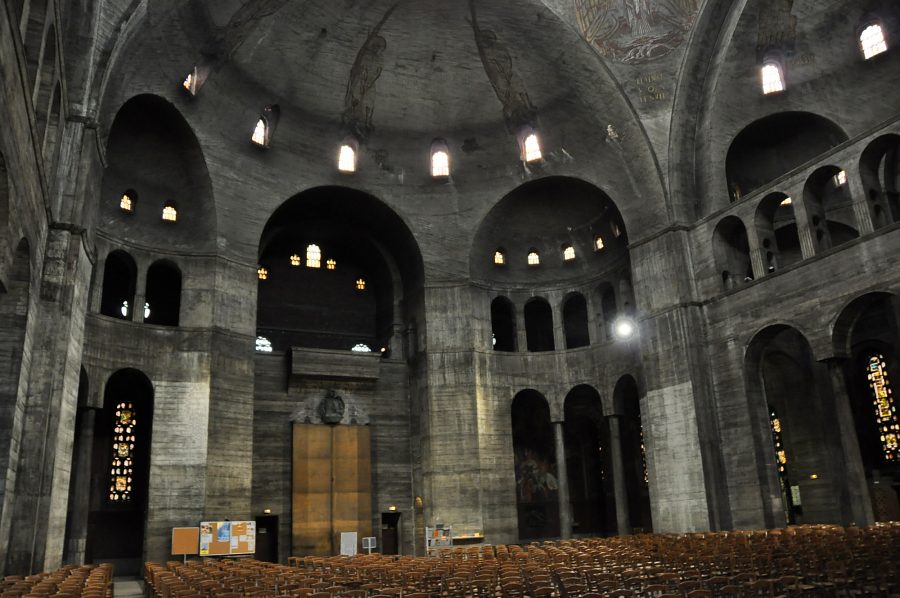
797,561
87,581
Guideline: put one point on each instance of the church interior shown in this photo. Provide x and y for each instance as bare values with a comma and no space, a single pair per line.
493,273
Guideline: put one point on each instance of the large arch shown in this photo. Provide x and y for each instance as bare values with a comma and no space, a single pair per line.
575,321
867,333
537,487
829,208
879,167
776,229
732,252
366,296
163,294
121,472
804,468
503,324
119,283
589,463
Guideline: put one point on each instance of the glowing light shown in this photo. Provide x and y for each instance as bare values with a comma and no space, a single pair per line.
624,328
146,310
169,213
840,178
126,203
440,164
260,133
188,84
263,345
313,256
361,348
499,258
124,309
885,410
532,148
295,260
262,273
772,78
786,201
331,264
569,253
360,284
872,41
534,259
347,159
598,243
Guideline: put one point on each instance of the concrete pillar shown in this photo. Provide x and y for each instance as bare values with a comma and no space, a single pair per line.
618,475
757,253
140,294
80,492
864,221
562,474
805,230
521,334
855,487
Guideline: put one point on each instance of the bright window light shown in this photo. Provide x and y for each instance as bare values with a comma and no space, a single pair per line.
440,164
840,178
569,253
169,213
872,41
126,203
598,243
188,83
772,78
361,348
124,309
534,259
786,201
295,260
260,133
146,310
532,148
262,273
360,284
263,345
499,258
313,256
347,159
331,264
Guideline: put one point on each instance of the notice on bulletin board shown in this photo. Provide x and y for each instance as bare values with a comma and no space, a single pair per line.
227,538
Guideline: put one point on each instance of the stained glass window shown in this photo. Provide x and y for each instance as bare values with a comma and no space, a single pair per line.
885,409
295,260
568,253
331,264
313,257
440,164
122,465
263,345
262,273
781,461
169,213
126,203
534,259
499,258
643,452
360,284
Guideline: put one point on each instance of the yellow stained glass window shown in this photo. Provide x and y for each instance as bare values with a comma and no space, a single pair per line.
360,284
122,465
331,264
885,409
313,256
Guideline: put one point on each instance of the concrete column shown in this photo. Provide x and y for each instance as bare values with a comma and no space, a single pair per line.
861,210
521,335
855,487
80,489
805,230
140,294
618,475
757,253
562,475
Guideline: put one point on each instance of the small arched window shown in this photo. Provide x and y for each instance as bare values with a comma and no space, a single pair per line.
872,41
170,212
499,258
347,157
263,345
313,256
295,260
261,133
840,179
361,348
262,273
534,258
119,281
440,159
360,284
531,148
163,294
127,201
568,253
598,243
772,77
331,264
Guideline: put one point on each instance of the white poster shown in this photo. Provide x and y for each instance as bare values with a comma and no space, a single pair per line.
348,543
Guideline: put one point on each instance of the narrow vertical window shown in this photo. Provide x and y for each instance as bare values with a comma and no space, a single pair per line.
347,159
772,78
534,258
261,133
313,256
499,258
885,410
568,253
872,41
440,159
170,213
126,202
122,465
531,148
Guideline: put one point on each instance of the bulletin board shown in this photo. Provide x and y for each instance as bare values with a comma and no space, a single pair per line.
185,540
224,538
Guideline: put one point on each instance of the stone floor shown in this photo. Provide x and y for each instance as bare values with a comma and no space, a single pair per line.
128,588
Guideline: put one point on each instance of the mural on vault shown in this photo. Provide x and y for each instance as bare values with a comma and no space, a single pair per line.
636,31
